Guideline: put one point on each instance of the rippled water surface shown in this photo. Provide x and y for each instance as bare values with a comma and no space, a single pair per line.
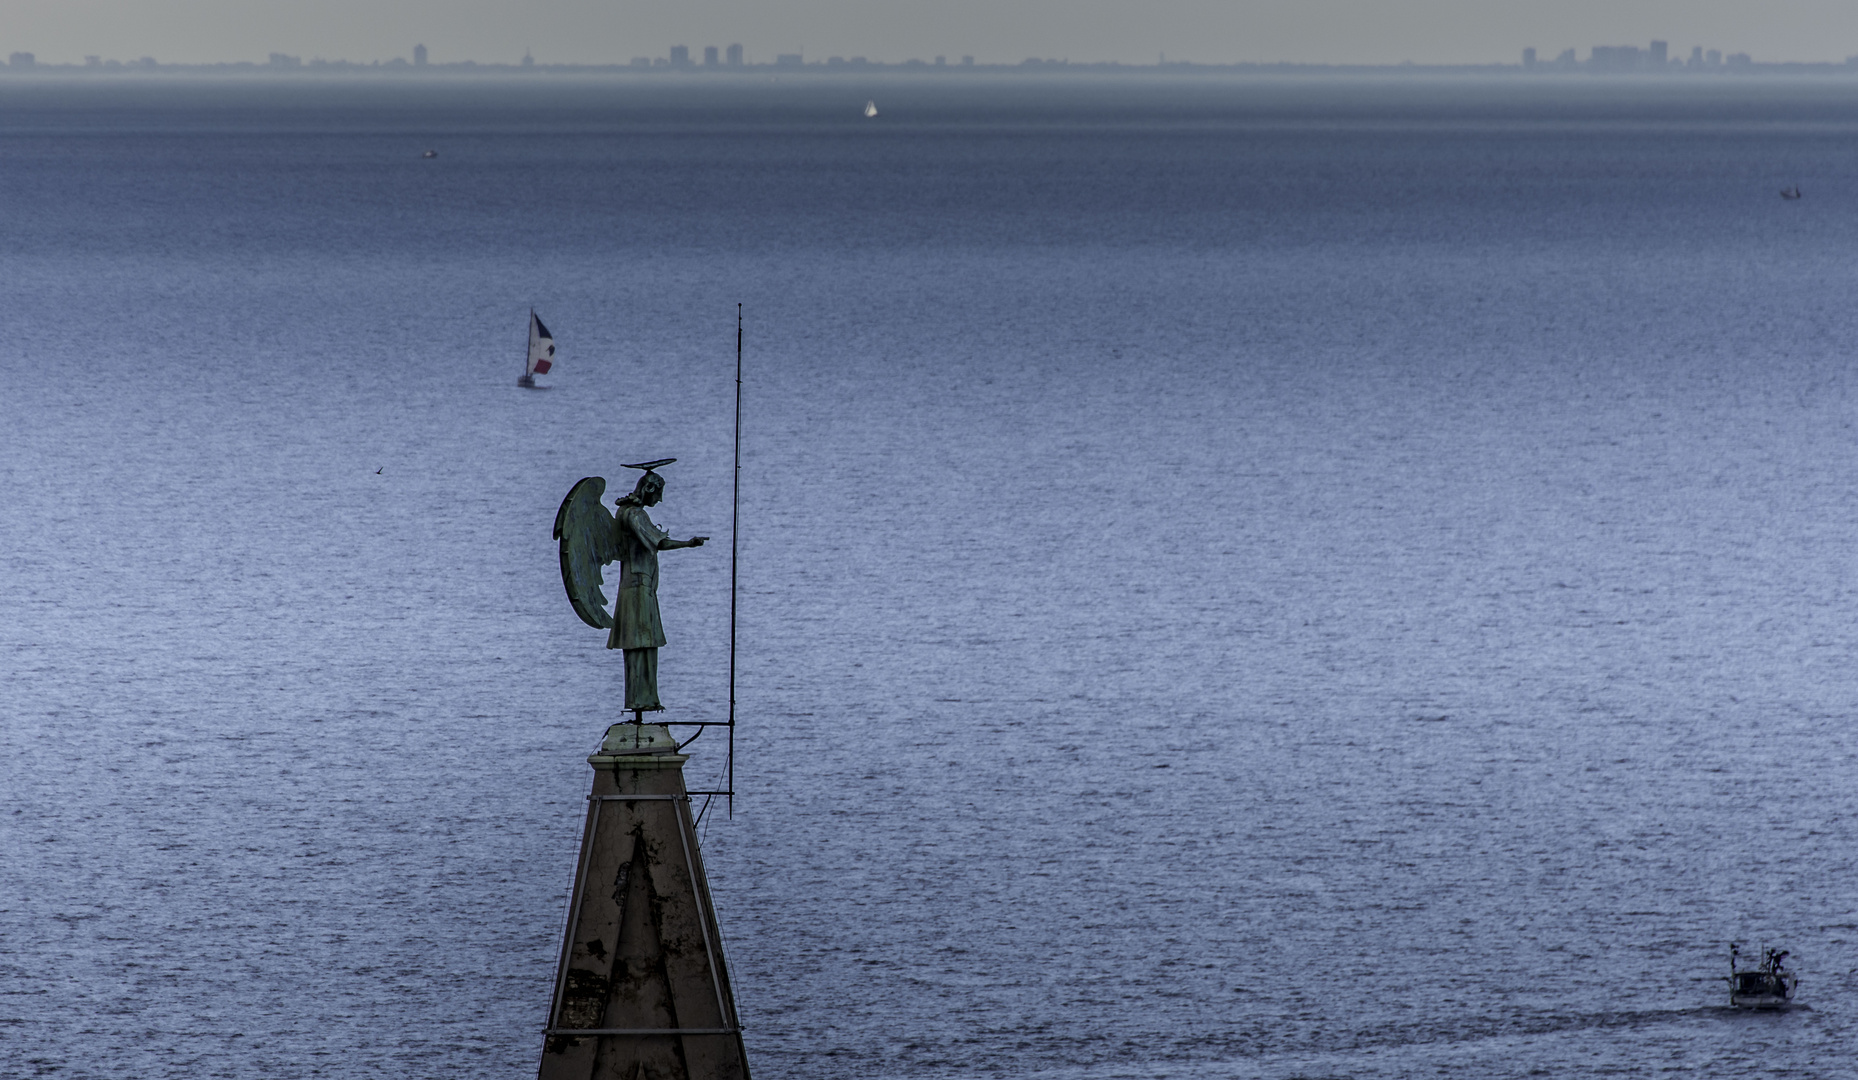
1258,578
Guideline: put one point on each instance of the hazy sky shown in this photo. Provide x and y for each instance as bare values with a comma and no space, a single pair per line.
604,31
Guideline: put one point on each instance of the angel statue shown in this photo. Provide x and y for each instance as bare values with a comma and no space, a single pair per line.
590,538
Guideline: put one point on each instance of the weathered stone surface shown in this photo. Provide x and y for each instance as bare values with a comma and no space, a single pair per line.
643,951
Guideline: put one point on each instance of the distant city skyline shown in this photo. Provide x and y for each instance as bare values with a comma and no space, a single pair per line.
1655,56
585,32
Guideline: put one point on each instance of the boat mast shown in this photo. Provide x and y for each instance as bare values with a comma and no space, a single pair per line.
735,521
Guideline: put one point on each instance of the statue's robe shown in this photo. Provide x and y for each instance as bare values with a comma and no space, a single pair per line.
636,626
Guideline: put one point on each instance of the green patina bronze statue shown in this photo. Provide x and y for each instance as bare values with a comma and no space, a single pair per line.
591,538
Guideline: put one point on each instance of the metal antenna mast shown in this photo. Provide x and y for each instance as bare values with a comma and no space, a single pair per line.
735,520
735,524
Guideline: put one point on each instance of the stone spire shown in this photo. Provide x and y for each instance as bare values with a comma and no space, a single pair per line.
642,992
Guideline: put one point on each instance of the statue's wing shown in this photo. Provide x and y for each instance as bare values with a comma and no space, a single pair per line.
585,530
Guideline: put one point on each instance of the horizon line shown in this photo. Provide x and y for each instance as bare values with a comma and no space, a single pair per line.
837,65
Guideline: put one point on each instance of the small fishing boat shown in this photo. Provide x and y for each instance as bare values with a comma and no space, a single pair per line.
1791,192
1763,987
430,154
541,353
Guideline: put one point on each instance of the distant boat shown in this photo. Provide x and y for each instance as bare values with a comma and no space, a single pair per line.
1791,193
870,109
541,352
1764,987
430,153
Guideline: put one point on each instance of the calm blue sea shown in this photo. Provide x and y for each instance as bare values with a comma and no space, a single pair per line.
1241,577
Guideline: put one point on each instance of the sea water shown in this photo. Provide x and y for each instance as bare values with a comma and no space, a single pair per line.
1240,577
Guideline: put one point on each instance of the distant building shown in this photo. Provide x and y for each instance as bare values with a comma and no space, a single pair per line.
1613,58
1565,60
680,56
1529,59
93,61
788,59
710,57
1660,55
1696,56
528,61
21,60
735,56
967,61
641,61
1738,60
1713,58
419,56
280,60
941,61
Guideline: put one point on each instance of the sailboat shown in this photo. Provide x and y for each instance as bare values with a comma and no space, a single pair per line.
870,109
541,352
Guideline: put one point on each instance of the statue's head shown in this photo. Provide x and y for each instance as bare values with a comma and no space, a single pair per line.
649,491
650,487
